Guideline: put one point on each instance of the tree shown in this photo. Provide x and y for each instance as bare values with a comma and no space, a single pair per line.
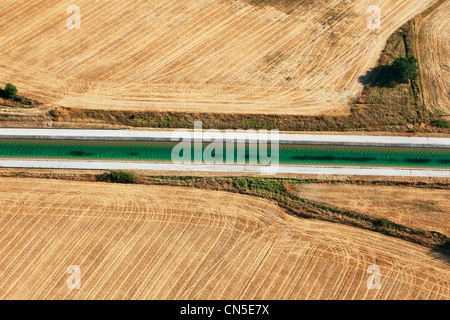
399,71
10,91
405,69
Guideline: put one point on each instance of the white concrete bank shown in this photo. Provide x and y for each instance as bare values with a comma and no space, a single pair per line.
207,136
293,169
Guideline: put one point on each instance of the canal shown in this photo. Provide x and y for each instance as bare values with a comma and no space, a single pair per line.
288,154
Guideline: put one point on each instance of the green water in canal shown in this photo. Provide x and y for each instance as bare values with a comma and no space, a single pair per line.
288,154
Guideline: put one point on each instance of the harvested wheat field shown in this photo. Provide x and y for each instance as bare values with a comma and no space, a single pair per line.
236,56
434,53
157,242
418,208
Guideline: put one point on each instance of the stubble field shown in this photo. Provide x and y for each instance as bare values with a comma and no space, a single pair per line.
419,208
434,54
156,242
276,57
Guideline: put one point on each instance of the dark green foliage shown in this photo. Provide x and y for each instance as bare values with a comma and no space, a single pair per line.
10,91
117,177
405,69
440,124
400,71
274,187
254,123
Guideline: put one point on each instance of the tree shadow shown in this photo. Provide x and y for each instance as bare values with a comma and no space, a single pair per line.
25,102
381,76
442,252
3,94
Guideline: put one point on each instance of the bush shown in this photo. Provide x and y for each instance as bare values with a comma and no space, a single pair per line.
10,91
405,69
254,123
117,177
440,124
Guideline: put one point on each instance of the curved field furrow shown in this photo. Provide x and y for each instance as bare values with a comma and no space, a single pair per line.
233,56
157,242
433,44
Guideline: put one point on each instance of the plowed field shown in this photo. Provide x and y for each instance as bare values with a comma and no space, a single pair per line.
157,242
434,50
276,57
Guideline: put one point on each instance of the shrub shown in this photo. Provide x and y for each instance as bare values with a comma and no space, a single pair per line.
254,123
405,69
440,124
117,177
10,91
